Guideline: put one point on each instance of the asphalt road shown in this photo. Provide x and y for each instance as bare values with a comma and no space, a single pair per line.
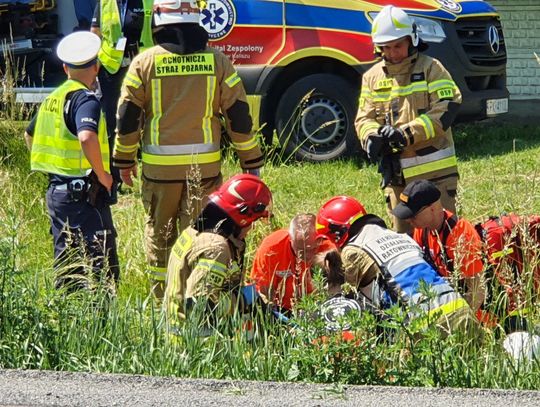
33,388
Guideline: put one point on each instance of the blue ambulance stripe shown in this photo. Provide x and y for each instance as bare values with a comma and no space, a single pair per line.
468,8
261,13
255,12
327,17
476,7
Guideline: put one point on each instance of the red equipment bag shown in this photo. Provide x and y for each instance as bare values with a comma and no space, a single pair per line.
505,242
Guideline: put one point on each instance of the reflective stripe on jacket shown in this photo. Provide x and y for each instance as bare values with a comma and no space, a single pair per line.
404,271
54,148
202,265
111,31
183,97
419,96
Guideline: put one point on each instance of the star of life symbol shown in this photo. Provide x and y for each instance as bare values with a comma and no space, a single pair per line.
218,18
450,5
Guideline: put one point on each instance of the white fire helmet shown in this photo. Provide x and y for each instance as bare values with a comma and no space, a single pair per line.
176,12
522,346
391,24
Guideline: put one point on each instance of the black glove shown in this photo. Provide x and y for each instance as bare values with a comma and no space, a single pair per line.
390,169
374,147
394,136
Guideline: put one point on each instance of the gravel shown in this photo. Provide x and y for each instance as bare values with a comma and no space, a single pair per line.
42,388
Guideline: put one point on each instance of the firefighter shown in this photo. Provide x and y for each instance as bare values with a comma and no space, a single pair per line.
68,138
176,92
282,265
125,27
206,263
374,257
450,243
407,104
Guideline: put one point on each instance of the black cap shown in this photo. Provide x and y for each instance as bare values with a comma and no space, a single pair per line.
415,196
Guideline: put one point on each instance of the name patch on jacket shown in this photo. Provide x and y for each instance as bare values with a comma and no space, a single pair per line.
384,84
389,246
195,64
418,77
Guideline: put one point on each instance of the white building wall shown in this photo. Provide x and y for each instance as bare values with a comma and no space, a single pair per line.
521,25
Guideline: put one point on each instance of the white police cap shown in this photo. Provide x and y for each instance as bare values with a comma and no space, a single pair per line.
79,48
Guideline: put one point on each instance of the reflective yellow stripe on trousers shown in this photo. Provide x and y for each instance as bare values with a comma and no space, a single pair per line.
157,273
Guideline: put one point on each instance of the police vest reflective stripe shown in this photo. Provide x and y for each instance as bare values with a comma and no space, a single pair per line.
111,31
55,149
420,165
403,268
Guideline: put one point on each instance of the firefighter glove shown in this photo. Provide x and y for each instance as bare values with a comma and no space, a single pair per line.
394,137
374,147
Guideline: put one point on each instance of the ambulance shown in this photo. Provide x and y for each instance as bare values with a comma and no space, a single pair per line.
301,61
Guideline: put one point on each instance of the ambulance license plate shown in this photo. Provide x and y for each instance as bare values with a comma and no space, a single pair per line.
496,106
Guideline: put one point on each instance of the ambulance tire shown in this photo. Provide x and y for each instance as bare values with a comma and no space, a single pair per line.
315,119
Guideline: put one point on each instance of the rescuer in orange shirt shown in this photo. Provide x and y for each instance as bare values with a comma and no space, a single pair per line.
282,265
450,243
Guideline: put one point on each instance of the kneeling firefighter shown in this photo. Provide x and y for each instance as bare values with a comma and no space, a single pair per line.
207,260
372,255
176,93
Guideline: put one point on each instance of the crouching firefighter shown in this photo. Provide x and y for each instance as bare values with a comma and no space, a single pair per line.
407,104
206,264
374,256
68,141
171,102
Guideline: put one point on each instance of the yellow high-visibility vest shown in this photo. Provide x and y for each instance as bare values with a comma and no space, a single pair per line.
55,149
111,31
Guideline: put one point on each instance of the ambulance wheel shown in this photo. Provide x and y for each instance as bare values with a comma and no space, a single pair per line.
315,119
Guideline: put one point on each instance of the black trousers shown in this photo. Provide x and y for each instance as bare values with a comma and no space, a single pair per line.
84,240
110,85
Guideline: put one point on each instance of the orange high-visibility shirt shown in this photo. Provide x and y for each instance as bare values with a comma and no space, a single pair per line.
462,249
276,269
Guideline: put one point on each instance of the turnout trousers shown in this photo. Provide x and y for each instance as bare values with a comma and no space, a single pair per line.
170,207
84,240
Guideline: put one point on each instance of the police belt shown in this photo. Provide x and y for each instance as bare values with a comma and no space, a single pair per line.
74,185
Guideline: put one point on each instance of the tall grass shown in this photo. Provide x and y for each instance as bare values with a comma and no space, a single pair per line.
44,328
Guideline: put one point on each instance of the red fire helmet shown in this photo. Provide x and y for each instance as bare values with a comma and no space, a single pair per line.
245,198
336,216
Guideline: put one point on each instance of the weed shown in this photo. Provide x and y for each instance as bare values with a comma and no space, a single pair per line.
41,327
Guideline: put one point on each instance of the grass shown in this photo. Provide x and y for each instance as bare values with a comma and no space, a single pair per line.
43,328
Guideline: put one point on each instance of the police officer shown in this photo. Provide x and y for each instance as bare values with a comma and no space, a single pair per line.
206,264
176,92
125,29
375,259
407,104
68,139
